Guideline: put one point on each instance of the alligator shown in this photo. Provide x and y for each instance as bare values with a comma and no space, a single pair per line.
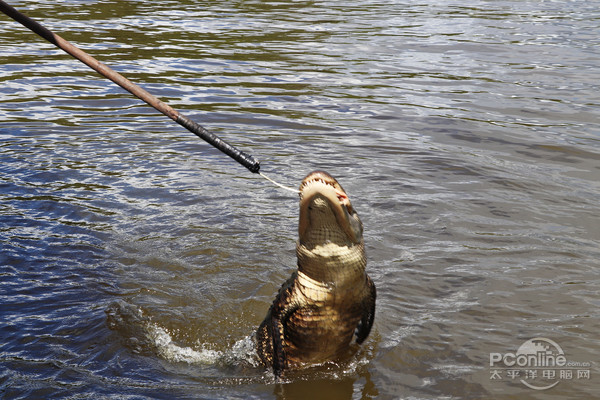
329,299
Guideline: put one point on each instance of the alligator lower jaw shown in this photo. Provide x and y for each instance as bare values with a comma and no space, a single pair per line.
338,203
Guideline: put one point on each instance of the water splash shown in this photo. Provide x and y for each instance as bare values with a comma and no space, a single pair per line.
144,336
169,350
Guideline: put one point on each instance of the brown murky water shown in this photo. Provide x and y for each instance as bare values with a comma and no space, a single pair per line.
136,261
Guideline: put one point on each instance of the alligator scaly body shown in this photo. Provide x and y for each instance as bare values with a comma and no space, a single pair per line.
330,299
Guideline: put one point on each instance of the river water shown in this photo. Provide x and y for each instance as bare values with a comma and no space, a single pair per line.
136,261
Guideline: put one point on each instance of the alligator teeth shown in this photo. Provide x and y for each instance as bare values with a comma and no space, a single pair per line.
317,180
342,197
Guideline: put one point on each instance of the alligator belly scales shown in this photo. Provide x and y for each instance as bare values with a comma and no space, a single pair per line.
329,300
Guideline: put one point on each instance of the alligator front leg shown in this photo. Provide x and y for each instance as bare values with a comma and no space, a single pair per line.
278,338
283,307
366,322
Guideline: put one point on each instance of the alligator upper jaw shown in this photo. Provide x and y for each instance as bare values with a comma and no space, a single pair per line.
320,184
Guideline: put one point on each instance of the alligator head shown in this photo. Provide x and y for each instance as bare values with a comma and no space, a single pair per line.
330,231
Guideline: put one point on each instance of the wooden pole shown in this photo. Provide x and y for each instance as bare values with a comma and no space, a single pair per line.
246,160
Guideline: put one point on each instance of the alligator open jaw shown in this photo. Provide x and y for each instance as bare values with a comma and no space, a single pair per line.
319,183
